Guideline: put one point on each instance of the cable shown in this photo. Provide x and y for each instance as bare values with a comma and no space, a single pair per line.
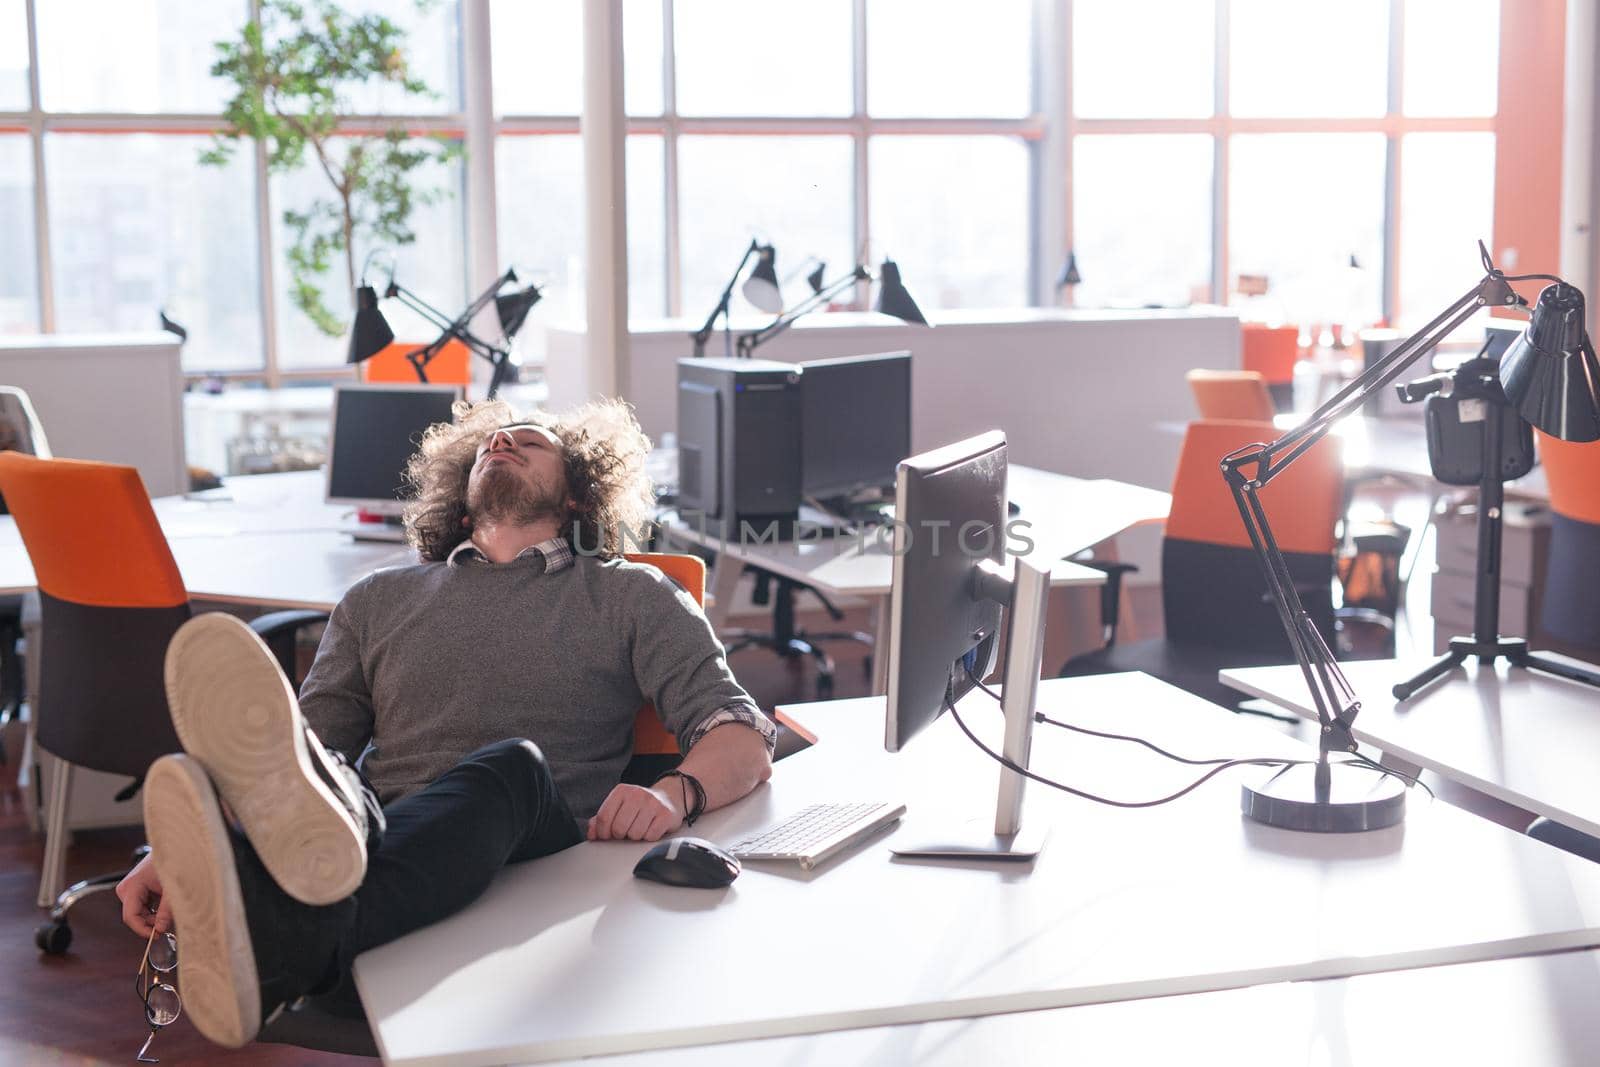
1217,765
1040,716
1011,765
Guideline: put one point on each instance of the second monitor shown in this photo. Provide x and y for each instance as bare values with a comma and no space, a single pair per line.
855,423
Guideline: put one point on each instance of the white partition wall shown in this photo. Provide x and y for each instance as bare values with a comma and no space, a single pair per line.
1076,391
117,398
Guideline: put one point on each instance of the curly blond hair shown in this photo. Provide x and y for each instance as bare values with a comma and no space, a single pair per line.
603,449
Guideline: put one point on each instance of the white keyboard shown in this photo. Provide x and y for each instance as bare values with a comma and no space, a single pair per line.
814,833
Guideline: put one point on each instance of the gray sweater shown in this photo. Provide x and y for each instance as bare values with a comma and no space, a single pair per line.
422,665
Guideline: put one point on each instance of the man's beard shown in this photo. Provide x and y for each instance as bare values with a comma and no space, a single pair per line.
501,498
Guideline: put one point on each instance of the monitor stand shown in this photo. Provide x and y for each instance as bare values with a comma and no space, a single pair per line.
385,528
1026,595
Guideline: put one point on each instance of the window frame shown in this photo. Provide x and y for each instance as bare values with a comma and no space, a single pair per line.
1048,133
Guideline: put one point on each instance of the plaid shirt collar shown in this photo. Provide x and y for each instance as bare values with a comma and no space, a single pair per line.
556,552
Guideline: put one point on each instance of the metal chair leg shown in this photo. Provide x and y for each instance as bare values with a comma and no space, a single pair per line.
55,836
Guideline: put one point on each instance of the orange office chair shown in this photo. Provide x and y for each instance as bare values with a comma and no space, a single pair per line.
110,599
1213,594
1271,351
1231,394
1571,612
655,751
452,366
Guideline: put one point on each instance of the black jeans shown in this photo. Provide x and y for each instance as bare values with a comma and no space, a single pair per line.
444,844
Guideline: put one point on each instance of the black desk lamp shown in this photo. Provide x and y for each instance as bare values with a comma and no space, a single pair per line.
1355,794
893,299
1068,276
370,332
761,289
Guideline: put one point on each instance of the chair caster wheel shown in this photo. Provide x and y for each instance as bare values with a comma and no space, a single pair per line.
53,938
824,688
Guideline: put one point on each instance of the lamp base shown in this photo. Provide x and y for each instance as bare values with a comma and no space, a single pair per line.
1329,798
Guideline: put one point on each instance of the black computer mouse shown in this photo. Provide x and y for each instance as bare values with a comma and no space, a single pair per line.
688,861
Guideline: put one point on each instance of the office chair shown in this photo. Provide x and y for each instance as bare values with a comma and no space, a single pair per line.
110,599
785,638
20,431
1213,594
452,366
1231,394
1272,352
1570,613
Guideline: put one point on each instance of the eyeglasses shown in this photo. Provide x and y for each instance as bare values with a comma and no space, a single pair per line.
156,985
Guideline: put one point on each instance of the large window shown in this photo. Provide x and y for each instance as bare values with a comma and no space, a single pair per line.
1350,166
1343,150
136,226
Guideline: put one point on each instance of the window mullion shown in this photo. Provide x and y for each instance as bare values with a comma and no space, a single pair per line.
41,195
671,233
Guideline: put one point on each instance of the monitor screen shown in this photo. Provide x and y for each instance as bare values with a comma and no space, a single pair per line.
950,513
376,428
855,422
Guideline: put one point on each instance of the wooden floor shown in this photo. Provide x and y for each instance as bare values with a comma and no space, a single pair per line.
81,1008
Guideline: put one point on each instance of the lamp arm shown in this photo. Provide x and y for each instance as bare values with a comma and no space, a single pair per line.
1331,691
703,334
1492,290
747,342
451,329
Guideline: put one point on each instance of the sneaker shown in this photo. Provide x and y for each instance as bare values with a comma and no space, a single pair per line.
246,948
234,711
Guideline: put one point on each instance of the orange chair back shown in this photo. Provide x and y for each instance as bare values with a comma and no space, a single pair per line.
91,532
110,599
1269,351
1303,505
1231,394
1573,469
452,366
650,737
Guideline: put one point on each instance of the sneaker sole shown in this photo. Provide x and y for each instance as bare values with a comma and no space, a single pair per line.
235,712
193,856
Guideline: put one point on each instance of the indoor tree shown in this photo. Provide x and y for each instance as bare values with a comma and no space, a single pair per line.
294,70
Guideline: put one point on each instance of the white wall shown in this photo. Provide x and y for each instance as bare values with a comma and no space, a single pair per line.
1077,392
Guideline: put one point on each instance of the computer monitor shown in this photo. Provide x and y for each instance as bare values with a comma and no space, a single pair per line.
951,584
375,430
855,422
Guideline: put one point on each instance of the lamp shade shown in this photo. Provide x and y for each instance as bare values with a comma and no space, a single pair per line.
370,332
513,308
761,288
893,298
814,279
1549,373
1069,272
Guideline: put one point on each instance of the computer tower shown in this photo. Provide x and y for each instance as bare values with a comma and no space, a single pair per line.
739,443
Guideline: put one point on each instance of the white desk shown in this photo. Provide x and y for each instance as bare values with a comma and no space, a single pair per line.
1067,514
571,956
1535,1011
1522,737
273,544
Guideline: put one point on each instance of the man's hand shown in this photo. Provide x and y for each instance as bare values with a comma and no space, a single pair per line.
634,813
140,893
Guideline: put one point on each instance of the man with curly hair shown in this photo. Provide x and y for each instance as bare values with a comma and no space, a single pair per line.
488,694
